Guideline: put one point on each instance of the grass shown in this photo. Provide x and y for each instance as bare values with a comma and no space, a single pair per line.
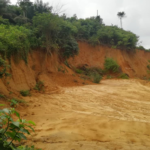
14,102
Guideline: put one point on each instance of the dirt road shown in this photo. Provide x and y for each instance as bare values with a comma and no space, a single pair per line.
113,115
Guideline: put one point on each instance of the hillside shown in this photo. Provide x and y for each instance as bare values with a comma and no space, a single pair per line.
132,63
50,69
111,115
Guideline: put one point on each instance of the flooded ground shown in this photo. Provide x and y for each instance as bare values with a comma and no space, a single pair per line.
113,115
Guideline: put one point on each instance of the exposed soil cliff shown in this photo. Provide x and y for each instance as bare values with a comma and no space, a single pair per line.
132,63
55,74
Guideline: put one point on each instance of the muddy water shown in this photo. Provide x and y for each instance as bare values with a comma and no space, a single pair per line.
113,115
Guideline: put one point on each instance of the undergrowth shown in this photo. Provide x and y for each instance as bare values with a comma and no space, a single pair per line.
110,65
14,102
25,93
39,86
124,76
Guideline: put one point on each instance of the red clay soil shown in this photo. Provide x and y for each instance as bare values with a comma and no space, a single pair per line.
55,74
132,63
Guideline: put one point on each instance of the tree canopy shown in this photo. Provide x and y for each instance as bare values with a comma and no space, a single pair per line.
28,25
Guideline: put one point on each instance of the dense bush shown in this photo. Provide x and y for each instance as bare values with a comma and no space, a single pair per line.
56,34
96,77
111,65
16,41
114,36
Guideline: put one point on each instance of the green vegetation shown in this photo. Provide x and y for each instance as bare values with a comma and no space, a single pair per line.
12,131
79,71
29,25
96,77
109,77
95,74
14,102
3,68
25,93
2,96
124,76
39,86
111,65
67,64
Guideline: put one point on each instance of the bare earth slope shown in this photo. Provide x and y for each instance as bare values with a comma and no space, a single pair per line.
49,69
113,115
132,63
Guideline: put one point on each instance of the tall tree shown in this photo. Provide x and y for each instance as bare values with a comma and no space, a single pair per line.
121,15
3,6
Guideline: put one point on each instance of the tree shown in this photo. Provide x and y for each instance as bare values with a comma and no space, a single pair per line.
41,7
3,6
25,5
121,15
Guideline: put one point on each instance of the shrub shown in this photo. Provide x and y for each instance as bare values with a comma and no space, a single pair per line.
16,41
96,77
25,93
39,86
3,68
148,66
111,65
78,71
124,76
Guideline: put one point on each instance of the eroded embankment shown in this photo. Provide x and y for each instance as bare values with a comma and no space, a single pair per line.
110,116
132,63
54,73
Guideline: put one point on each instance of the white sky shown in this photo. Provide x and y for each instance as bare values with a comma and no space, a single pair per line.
137,13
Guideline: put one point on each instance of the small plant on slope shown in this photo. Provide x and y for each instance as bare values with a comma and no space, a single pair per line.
39,86
111,65
124,76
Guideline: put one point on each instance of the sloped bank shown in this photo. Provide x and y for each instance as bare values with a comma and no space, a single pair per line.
24,77
132,63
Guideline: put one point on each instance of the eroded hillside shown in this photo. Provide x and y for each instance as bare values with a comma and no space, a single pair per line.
54,73
132,63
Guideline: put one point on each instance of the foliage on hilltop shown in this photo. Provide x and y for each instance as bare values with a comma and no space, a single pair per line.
27,26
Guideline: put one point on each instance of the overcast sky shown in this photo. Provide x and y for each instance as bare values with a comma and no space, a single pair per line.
137,13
